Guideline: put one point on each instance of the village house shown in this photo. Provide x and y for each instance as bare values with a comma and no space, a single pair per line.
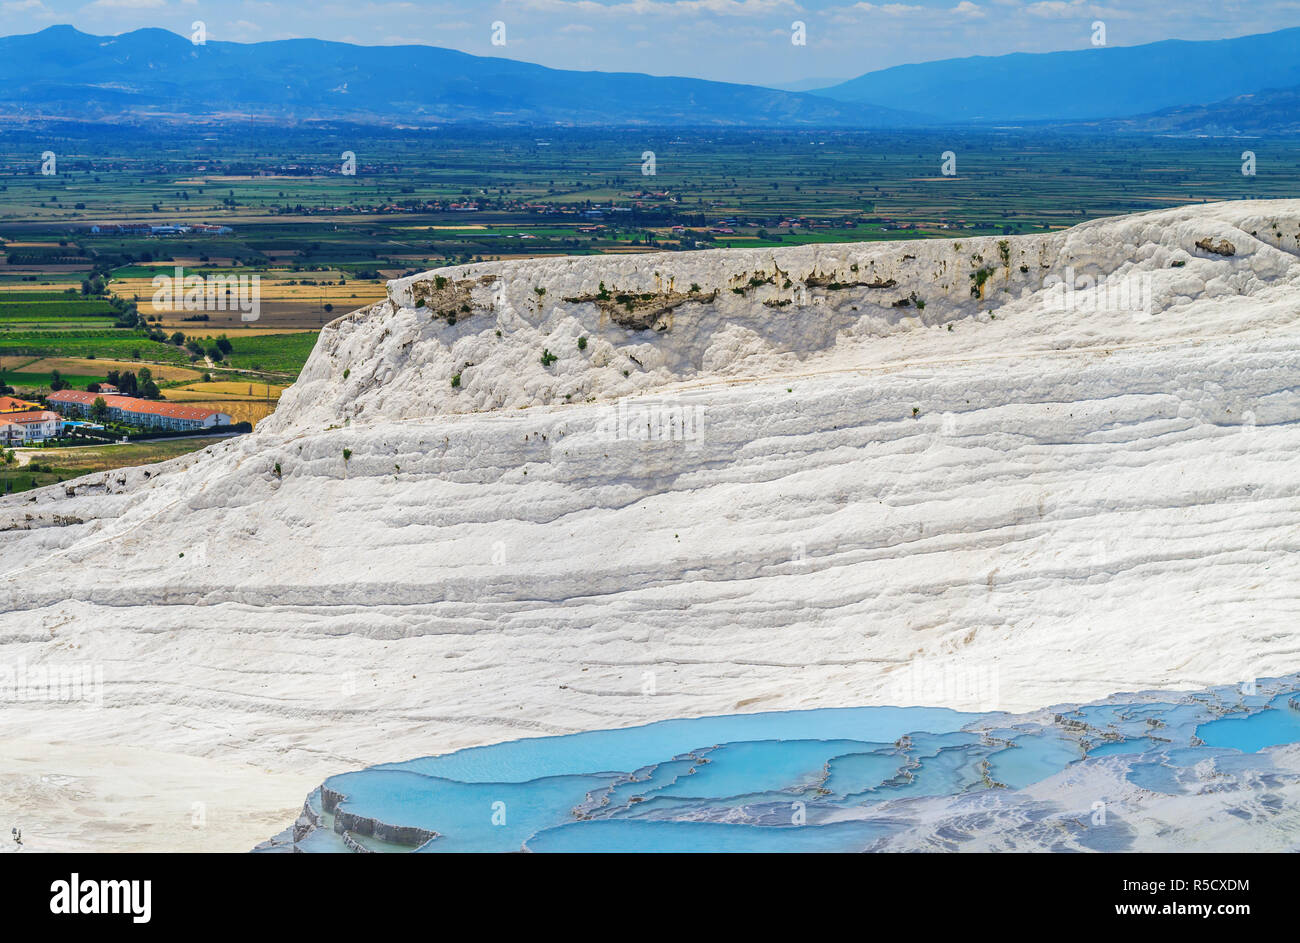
23,428
146,414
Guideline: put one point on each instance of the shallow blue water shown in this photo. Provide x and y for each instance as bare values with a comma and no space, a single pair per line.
822,780
1265,729
634,747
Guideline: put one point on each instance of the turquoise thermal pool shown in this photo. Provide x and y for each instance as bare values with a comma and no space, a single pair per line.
1078,777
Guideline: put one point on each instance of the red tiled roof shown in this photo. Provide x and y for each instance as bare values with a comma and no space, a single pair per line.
9,404
35,415
131,404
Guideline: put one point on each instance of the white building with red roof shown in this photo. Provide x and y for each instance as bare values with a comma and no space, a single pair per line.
33,426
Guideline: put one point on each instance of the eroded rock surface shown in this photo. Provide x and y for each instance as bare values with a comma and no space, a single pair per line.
1077,470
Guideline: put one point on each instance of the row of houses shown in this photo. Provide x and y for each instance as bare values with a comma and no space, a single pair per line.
23,422
147,414
167,229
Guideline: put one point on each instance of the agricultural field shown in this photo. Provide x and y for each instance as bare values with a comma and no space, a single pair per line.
29,359
288,301
271,356
48,310
76,249
423,198
104,344
242,401
34,373
50,466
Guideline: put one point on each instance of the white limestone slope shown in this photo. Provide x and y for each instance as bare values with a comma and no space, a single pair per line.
1040,504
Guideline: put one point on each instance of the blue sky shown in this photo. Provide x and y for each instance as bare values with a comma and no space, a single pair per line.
730,40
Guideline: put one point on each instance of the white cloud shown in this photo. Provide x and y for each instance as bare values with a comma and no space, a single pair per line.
965,9
1048,9
125,5
749,8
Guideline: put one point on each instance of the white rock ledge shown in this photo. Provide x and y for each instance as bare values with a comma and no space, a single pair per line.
991,501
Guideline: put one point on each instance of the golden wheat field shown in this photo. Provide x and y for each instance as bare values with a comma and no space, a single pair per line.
242,401
82,366
238,410
289,301
234,388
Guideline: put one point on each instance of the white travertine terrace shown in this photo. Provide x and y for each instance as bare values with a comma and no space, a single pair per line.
1006,498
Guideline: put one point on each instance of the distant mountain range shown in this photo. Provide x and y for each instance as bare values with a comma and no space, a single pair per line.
1242,85
1270,112
66,73
1105,82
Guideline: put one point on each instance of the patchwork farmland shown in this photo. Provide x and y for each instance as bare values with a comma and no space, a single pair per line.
81,249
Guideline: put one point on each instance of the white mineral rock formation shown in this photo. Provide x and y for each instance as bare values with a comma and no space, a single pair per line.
910,472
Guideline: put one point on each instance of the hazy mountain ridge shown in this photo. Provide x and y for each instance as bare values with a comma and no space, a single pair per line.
152,73
1093,83
65,73
1273,111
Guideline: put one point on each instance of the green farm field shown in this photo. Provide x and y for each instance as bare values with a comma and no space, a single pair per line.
47,466
323,244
